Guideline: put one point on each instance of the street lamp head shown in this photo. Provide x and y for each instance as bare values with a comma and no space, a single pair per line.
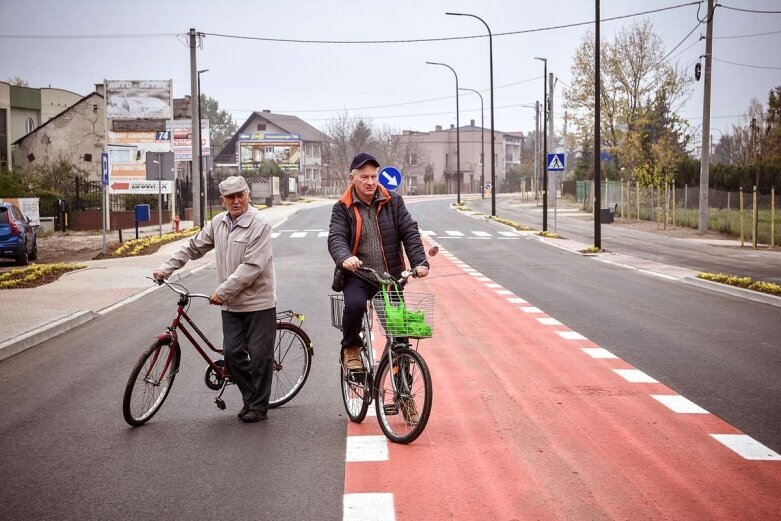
541,59
457,14
204,70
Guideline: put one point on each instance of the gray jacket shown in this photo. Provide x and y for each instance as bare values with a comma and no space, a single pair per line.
245,263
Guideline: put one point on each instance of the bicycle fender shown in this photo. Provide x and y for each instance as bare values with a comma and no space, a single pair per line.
165,336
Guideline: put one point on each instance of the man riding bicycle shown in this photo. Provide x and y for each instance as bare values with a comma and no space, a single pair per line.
371,227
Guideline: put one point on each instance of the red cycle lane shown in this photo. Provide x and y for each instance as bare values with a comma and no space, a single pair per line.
528,425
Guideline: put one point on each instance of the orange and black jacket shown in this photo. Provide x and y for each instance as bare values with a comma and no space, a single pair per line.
398,231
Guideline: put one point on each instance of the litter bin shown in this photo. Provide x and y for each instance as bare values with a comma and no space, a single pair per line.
606,215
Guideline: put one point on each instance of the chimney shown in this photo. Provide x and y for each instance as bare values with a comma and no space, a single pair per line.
471,122
438,128
452,126
99,88
267,111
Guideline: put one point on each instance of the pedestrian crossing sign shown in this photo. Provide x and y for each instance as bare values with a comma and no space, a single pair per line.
556,162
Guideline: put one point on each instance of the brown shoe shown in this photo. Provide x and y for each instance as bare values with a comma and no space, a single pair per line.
351,358
409,410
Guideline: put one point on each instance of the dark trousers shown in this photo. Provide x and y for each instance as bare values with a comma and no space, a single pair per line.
248,344
356,292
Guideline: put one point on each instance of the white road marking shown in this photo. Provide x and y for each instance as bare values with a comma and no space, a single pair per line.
322,234
427,233
516,300
747,447
482,234
483,279
548,321
454,233
636,376
493,285
369,507
475,273
509,234
571,335
508,238
274,235
480,238
679,404
530,309
366,448
503,292
318,230
297,235
597,352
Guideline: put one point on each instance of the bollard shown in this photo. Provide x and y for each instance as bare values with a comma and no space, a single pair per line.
772,216
673,205
754,217
176,223
740,214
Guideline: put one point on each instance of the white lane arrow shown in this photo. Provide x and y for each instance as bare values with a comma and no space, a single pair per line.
392,181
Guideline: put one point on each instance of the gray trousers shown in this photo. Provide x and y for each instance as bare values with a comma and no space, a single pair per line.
248,344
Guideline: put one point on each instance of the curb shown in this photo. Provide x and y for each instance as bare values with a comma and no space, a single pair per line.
733,290
32,338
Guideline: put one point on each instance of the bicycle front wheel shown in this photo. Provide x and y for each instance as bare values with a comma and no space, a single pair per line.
404,395
292,362
356,390
150,382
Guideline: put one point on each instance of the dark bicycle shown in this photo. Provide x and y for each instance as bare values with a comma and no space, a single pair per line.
154,373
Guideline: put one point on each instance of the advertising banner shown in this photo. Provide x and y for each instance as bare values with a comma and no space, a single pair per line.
183,139
138,99
29,207
134,185
285,152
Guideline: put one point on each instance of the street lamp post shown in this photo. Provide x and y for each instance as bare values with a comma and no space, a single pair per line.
544,145
458,135
482,143
493,137
201,196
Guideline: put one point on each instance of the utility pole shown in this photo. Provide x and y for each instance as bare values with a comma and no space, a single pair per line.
195,103
553,177
536,147
702,227
544,145
597,138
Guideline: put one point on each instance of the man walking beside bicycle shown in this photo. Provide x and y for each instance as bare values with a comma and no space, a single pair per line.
371,227
246,293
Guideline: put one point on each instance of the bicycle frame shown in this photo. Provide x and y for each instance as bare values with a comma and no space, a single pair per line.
368,321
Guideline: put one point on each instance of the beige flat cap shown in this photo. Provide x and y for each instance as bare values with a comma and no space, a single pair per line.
233,185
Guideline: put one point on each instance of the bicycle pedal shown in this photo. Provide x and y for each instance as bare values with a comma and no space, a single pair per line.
390,409
220,403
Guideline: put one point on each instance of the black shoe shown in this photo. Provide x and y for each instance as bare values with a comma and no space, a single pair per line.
243,412
254,416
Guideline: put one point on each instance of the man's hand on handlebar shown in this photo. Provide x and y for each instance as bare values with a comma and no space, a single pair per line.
420,271
352,264
216,300
159,276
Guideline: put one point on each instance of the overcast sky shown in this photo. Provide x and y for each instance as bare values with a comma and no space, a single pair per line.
316,81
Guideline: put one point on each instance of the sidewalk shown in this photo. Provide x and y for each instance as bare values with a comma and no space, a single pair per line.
34,315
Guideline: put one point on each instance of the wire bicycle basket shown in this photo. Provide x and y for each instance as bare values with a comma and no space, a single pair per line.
408,315
337,309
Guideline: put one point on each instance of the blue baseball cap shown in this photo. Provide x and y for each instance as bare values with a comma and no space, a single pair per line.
361,159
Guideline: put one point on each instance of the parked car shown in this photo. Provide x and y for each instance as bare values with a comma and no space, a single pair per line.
17,236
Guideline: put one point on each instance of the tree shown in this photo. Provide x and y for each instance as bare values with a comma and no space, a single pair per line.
635,82
773,126
221,124
18,81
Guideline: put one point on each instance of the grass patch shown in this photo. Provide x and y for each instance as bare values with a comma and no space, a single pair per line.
147,245
36,275
591,249
512,224
770,288
549,235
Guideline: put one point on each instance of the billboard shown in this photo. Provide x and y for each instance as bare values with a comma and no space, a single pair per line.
28,206
282,149
138,99
182,134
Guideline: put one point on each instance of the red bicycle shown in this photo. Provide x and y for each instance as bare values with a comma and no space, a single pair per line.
154,373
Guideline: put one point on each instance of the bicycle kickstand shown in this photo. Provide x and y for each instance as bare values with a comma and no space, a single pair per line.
219,401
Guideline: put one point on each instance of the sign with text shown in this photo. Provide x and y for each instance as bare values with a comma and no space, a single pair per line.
138,186
138,99
182,134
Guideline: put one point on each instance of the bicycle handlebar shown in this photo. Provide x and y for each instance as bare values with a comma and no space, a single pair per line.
184,292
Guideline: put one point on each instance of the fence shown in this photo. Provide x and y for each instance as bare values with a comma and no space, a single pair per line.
669,206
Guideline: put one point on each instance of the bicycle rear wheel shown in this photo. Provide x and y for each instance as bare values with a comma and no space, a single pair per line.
292,362
356,390
150,382
403,413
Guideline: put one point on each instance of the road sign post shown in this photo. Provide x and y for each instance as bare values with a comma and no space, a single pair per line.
555,163
104,169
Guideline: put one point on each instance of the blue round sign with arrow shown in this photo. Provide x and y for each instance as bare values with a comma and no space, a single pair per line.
390,178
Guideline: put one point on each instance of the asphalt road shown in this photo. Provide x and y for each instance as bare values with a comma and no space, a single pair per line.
67,453
719,351
757,264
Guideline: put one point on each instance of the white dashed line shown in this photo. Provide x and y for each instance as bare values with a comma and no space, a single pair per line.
366,448
530,309
483,279
274,235
297,235
475,273
482,234
504,292
747,447
516,300
548,321
368,507
509,234
679,404
635,376
453,233
322,234
571,335
493,285
597,352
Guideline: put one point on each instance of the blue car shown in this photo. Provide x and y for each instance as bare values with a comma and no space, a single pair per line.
17,236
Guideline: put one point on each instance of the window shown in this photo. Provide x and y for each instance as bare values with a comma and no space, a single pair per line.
312,174
312,150
29,125
412,159
261,126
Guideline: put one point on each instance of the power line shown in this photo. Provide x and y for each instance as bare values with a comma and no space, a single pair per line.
446,38
745,35
679,44
747,10
748,65
86,36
